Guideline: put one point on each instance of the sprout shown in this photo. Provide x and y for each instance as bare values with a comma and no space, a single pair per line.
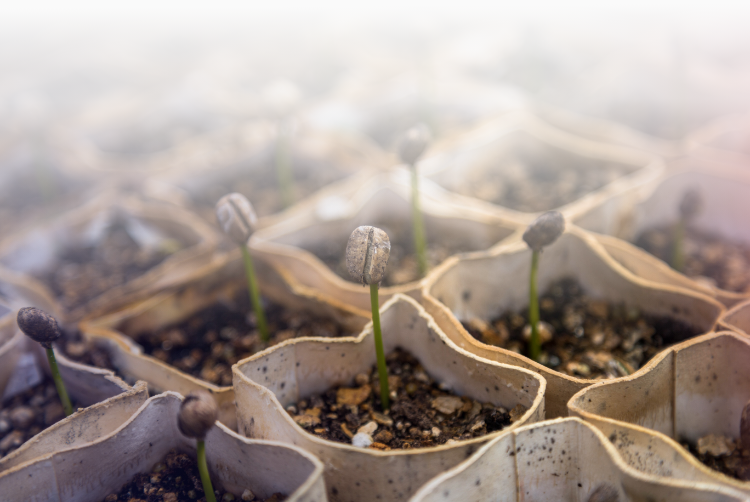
197,415
283,97
541,233
366,257
411,147
690,205
42,328
604,493
237,218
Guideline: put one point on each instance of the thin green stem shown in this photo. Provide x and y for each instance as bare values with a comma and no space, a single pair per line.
252,284
534,344
208,488
284,168
420,243
678,244
379,352
59,384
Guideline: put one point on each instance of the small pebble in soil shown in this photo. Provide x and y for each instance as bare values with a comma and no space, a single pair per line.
74,346
27,414
582,336
709,258
175,479
723,454
421,414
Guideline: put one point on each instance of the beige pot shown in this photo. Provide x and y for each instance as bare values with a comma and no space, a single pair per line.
271,380
35,250
737,318
477,287
563,460
93,471
695,388
383,200
724,138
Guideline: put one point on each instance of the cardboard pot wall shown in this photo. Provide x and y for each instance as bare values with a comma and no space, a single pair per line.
297,246
267,383
478,287
696,388
563,460
91,472
737,318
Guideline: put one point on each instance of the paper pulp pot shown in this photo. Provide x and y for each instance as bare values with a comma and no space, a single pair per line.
695,388
724,138
95,470
478,287
384,201
564,460
512,147
737,318
150,224
265,384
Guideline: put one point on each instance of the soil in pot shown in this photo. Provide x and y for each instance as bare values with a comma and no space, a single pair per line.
723,454
176,479
585,337
29,413
530,176
81,273
208,343
423,413
709,258
81,350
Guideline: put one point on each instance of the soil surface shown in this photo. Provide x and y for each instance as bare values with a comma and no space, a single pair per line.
527,175
585,337
722,454
29,413
422,414
207,344
176,479
78,349
83,273
709,258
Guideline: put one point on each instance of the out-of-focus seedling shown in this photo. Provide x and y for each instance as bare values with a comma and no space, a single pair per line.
541,233
410,148
197,415
282,96
42,328
690,205
366,257
237,218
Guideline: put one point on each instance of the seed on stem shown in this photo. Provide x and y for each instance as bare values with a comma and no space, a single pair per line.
544,230
236,217
198,413
367,254
413,143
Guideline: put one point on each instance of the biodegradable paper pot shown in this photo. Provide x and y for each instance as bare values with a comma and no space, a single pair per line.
383,201
93,471
271,380
35,250
478,287
695,388
723,188
221,280
737,318
724,138
562,460
517,143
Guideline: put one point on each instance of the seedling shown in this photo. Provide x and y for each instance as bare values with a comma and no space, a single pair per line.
541,233
283,96
42,328
366,257
411,147
690,206
197,415
237,218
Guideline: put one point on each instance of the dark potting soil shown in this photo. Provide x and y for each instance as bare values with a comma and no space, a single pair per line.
422,414
590,338
722,454
83,273
29,413
176,479
712,259
81,350
208,343
530,176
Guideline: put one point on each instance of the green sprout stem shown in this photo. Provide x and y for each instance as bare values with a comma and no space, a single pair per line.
252,284
534,344
420,244
379,352
284,168
61,391
678,254
208,488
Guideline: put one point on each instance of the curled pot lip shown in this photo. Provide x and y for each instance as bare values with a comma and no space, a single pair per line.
674,395
268,381
491,469
591,264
